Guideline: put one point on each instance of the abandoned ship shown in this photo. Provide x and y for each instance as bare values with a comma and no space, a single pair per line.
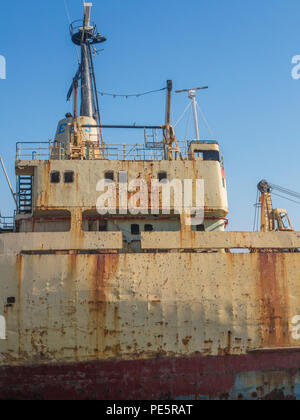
140,305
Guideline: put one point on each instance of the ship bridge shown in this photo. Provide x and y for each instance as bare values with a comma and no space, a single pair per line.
54,189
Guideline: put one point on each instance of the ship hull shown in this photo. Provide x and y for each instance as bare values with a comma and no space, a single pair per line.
149,326
272,376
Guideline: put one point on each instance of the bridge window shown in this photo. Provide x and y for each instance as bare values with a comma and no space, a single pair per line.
213,155
148,228
199,154
55,177
102,225
135,229
162,176
109,175
200,228
69,177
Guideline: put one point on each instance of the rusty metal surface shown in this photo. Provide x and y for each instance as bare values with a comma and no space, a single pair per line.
262,377
47,242
220,240
137,306
67,196
85,241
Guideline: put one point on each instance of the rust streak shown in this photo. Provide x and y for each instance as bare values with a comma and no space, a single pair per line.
274,300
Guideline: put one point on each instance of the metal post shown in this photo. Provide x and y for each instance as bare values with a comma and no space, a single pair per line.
167,145
192,96
168,108
75,81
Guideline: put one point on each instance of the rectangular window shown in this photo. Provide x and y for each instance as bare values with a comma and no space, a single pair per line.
200,228
162,176
109,175
11,300
135,229
69,177
212,155
103,226
148,228
199,155
55,177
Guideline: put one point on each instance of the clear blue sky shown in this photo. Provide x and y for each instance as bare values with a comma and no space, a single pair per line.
241,49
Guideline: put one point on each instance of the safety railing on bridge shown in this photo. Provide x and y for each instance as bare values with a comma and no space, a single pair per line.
55,151
33,150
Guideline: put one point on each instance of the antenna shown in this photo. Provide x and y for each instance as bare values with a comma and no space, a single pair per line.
192,93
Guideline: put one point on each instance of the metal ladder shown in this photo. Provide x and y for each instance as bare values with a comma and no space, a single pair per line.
25,193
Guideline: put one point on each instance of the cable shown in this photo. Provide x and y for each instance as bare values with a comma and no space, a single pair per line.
285,191
137,95
206,123
70,23
285,198
256,210
256,215
67,11
183,114
188,124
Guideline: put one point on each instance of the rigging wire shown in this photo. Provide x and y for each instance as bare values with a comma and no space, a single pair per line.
202,116
131,95
183,114
70,22
188,123
285,191
67,11
256,205
285,198
206,123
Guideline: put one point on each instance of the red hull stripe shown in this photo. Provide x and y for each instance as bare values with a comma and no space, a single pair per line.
171,378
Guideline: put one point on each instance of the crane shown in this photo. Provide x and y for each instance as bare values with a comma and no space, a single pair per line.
274,219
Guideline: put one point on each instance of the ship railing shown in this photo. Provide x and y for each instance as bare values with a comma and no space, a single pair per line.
33,150
136,152
131,152
55,151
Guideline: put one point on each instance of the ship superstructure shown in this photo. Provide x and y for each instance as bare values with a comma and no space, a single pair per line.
138,304
52,188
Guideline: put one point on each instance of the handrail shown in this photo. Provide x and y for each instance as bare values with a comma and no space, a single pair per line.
54,151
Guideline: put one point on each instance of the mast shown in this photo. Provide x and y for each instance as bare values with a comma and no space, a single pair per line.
192,93
85,34
192,96
169,138
87,99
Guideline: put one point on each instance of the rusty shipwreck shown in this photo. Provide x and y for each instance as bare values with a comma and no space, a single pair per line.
139,306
